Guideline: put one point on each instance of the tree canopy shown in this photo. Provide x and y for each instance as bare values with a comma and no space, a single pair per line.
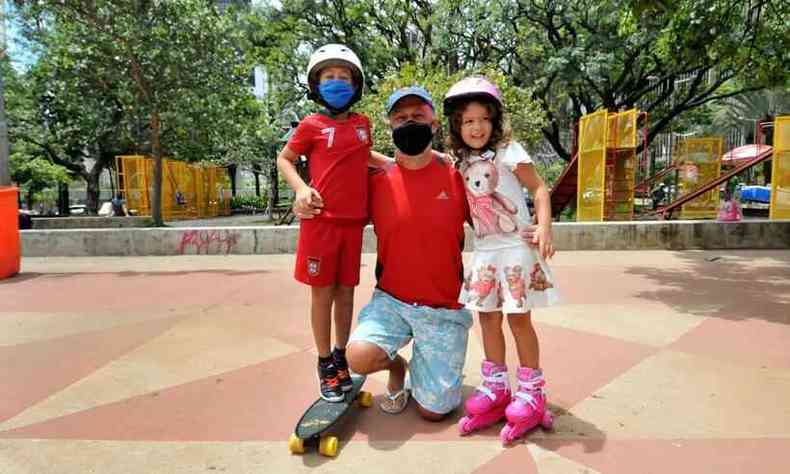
666,57
172,78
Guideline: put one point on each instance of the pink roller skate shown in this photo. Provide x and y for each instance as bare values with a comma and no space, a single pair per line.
528,408
487,405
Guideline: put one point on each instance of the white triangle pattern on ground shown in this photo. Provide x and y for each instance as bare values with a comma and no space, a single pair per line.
118,457
199,347
549,462
26,327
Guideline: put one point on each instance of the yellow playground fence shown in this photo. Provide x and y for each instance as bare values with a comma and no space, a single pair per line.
698,161
780,176
607,163
188,191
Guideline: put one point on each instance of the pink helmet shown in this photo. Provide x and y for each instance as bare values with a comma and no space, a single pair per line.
470,87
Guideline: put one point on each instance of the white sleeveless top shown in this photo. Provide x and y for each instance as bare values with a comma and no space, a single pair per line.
496,198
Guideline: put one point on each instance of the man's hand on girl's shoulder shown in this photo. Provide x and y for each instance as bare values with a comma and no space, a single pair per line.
441,157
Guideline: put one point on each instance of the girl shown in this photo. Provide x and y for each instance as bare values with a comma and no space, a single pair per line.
730,210
506,275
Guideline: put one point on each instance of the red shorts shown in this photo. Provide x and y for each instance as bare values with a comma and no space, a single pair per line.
328,253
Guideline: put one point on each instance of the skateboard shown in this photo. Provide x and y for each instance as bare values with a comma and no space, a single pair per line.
322,415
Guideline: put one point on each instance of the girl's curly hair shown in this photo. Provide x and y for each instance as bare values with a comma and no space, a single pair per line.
501,134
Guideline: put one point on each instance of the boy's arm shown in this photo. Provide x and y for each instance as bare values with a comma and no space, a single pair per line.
307,201
378,160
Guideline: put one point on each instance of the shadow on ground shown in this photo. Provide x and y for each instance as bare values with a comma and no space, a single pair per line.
716,284
389,432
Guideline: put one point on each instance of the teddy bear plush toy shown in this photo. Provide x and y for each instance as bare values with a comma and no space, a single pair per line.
516,284
537,279
492,212
485,283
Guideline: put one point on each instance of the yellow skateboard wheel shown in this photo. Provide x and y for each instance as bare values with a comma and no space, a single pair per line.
295,444
365,399
328,446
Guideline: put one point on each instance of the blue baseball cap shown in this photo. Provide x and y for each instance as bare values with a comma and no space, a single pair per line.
399,94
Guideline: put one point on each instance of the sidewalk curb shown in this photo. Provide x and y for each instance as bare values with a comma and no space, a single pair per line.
663,235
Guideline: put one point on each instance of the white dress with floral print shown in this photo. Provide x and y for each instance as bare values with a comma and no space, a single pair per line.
505,275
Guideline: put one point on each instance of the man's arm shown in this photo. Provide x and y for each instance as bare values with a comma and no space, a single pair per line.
378,160
467,209
459,182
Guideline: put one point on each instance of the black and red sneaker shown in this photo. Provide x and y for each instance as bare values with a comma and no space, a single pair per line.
330,384
341,365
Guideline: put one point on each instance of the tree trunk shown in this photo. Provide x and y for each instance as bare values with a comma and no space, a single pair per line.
156,195
552,136
63,199
93,180
274,194
92,192
232,175
256,170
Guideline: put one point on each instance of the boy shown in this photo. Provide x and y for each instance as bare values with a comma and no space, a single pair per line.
338,146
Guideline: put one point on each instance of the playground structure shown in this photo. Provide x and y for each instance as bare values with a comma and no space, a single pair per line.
604,168
698,161
780,171
604,171
188,191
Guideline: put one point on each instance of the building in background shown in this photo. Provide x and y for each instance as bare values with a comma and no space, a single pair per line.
223,4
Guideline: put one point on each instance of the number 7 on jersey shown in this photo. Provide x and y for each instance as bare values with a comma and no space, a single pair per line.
331,132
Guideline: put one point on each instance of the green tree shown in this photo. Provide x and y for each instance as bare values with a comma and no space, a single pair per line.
38,178
385,34
70,117
176,64
665,58
524,113
744,110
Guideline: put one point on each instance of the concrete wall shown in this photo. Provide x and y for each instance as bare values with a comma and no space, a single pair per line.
89,222
673,235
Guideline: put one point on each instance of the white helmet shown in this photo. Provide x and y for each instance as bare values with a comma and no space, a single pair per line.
334,54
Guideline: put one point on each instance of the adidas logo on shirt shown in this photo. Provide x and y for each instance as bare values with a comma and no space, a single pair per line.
442,195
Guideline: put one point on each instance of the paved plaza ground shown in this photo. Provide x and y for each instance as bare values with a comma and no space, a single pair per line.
660,362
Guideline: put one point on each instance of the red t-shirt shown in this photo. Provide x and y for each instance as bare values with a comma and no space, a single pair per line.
418,217
337,156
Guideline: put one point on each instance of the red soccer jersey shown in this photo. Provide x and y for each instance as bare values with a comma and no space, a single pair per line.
418,217
337,157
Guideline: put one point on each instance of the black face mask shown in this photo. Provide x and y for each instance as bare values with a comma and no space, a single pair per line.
412,137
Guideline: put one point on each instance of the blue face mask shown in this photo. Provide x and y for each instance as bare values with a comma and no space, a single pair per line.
336,93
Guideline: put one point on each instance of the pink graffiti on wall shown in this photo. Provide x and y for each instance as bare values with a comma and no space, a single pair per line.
201,241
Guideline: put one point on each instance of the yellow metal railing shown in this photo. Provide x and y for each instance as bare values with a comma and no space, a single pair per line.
592,164
607,165
698,161
188,191
780,171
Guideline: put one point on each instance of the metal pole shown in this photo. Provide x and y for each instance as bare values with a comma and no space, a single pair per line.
5,173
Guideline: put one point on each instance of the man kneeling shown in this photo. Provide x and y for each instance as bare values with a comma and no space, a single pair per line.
418,208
